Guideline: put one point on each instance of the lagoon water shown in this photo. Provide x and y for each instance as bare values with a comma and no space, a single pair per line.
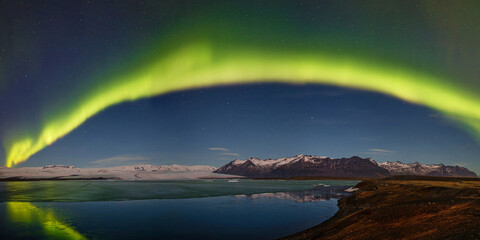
202,209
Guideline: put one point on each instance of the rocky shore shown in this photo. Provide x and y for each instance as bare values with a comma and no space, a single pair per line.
405,207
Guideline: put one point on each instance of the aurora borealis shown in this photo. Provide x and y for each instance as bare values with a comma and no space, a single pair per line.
193,46
202,66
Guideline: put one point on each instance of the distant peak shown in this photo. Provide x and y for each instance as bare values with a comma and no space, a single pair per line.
372,161
58,166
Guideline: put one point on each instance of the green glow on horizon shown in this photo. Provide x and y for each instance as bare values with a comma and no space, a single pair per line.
205,65
29,215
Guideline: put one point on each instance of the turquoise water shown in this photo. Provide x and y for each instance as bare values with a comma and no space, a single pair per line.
218,209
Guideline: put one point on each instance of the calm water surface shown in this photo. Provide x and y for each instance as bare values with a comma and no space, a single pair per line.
218,209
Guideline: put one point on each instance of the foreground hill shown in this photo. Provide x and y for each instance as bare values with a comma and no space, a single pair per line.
405,207
308,165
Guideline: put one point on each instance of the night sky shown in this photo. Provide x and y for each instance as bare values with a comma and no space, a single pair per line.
105,83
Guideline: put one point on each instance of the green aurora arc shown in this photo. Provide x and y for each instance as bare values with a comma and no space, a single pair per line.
205,64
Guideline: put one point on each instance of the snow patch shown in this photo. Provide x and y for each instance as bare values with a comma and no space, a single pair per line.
351,189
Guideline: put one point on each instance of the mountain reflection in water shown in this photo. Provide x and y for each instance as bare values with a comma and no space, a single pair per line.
319,193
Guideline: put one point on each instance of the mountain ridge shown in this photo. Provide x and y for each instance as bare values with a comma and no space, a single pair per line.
129,172
311,165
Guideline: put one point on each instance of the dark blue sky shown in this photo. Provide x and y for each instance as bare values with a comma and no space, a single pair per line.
53,53
265,121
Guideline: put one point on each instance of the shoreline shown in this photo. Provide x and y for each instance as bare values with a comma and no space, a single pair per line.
221,176
74,178
21,179
314,178
405,207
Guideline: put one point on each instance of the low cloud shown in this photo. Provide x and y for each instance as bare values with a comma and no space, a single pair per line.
218,149
378,150
223,151
230,154
120,158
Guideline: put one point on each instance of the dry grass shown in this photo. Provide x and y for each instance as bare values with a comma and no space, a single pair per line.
405,209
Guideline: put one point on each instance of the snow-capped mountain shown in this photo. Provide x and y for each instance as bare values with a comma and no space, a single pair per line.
163,168
308,165
134,172
399,168
305,165
59,167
